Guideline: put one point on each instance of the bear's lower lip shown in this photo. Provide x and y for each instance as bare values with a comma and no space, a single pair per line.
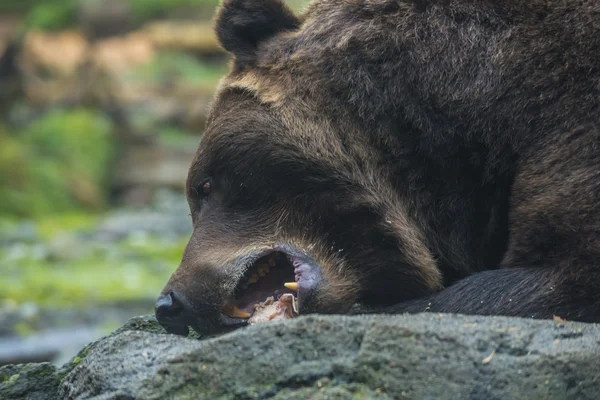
176,329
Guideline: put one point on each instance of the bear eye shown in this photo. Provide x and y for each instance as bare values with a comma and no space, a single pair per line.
206,187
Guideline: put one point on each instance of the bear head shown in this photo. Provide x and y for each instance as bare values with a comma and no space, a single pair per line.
289,186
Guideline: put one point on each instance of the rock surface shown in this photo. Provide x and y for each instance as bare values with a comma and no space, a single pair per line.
336,357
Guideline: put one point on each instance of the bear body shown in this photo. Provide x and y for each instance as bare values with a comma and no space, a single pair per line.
419,155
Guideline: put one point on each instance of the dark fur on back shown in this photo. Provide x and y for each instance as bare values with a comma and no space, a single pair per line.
444,155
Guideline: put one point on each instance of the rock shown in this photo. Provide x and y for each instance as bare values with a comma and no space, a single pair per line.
32,334
153,167
117,55
376,357
197,37
29,382
142,224
46,346
149,324
8,29
8,83
50,64
329,357
103,18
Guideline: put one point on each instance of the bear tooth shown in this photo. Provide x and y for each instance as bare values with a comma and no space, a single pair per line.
234,312
292,286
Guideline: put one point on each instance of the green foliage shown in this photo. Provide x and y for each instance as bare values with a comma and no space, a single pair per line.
184,69
23,329
132,270
51,225
18,5
174,138
59,14
57,163
76,361
52,15
148,9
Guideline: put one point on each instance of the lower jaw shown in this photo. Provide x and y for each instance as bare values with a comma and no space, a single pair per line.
271,309
279,293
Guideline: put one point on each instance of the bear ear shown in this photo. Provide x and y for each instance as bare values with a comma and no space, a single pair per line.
241,25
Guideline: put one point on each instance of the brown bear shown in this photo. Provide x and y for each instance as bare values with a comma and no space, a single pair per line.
398,156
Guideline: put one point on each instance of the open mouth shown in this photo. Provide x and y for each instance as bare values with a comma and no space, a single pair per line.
267,291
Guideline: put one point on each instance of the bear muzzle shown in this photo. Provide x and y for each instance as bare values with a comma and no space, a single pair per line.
175,315
276,284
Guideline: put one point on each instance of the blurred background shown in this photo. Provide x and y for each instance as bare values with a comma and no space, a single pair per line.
102,105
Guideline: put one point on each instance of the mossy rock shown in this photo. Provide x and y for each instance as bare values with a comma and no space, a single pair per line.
29,381
432,356
148,323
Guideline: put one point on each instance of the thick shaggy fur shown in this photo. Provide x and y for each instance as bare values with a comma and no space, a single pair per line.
438,155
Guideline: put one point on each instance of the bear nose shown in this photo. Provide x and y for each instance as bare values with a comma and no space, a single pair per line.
168,307
169,311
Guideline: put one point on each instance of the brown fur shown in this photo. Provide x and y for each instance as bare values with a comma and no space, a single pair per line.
431,155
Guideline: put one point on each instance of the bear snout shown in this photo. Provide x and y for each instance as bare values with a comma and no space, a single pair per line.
171,313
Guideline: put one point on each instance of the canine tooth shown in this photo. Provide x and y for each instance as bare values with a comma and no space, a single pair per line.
234,312
292,286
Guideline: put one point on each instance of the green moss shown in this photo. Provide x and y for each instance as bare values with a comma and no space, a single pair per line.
76,361
23,329
43,14
80,138
59,14
52,15
17,5
3,378
143,10
49,226
56,164
139,271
